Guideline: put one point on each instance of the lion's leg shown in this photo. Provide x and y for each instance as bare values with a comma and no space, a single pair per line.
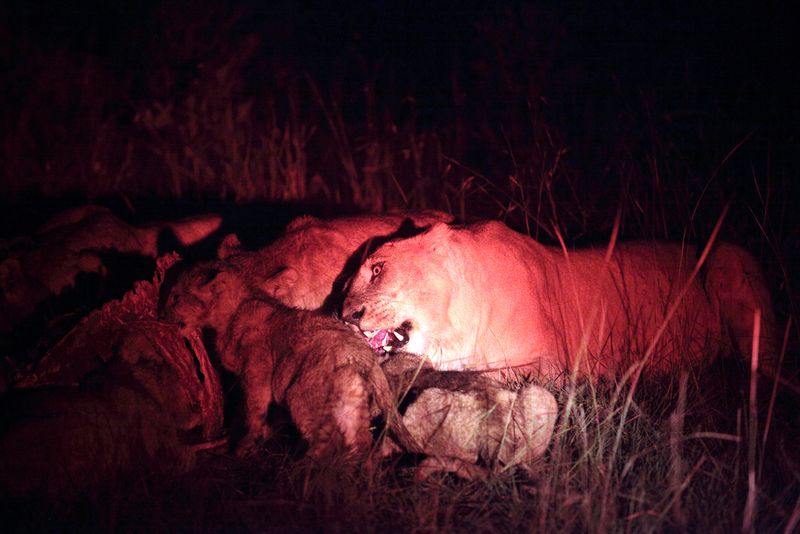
534,417
351,411
310,412
257,385
734,280
333,416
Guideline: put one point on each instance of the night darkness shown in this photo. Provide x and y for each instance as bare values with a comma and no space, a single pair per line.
568,121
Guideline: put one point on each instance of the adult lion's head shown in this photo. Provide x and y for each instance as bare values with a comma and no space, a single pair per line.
410,293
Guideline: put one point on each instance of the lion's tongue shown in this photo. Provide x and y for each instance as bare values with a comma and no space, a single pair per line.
378,341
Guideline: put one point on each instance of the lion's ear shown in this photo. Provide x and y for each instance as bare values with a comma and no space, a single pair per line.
230,246
299,223
439,238
279,285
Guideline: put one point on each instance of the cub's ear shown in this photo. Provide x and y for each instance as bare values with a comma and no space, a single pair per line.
280,284
230,246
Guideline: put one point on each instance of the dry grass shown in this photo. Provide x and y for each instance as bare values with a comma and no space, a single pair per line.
682,463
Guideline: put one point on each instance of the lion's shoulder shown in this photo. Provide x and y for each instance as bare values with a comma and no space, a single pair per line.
490,243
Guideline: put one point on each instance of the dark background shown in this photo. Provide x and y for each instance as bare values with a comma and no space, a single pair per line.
560,118
665,113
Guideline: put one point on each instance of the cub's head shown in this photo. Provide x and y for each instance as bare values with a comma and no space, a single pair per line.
205,296
298,268
401,295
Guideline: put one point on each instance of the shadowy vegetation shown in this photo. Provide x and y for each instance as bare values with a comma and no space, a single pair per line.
566,123
677,460
528,113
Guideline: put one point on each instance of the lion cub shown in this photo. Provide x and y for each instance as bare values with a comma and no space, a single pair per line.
322,372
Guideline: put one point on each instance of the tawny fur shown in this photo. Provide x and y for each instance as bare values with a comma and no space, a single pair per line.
485,297
463,418
317,368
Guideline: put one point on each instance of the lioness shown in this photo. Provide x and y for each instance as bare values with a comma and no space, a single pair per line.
322,372
300,268
486,297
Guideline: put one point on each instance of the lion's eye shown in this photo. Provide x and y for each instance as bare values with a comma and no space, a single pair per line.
377,268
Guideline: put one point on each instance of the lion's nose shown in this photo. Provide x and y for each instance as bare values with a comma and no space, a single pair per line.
355,317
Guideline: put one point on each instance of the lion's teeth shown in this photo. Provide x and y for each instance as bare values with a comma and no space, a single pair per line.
367,333
398,335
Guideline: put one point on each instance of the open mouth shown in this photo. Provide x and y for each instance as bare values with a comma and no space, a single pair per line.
387,339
